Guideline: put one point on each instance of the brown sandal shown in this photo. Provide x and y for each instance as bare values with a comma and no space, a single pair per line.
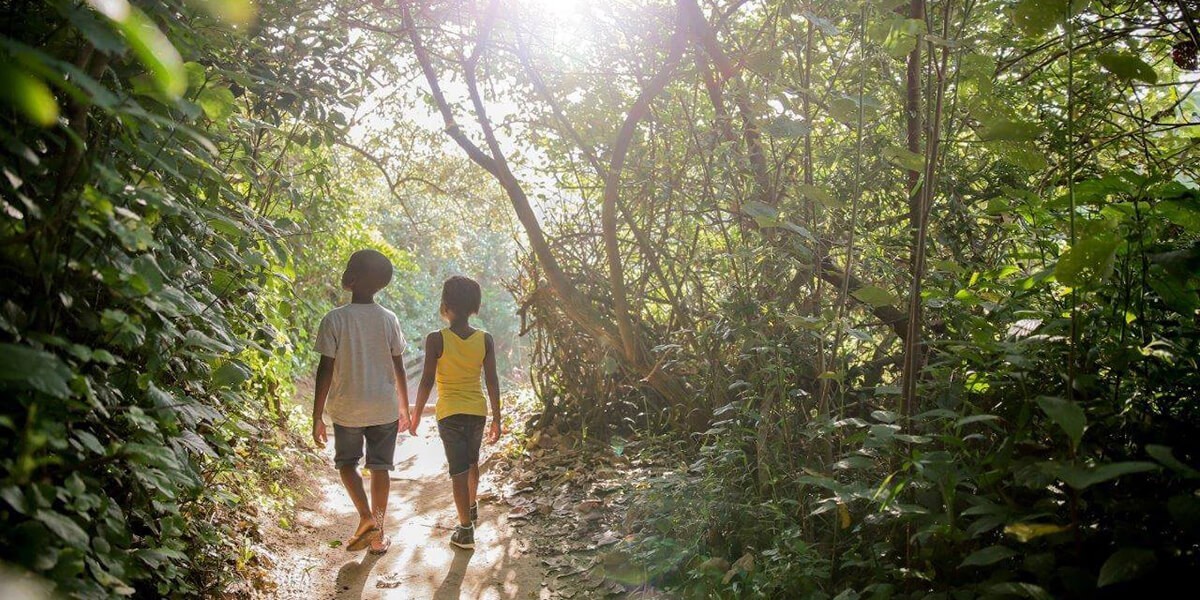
387,544
363,539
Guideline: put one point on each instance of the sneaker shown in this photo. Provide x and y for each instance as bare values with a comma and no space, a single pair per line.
463,537
474,513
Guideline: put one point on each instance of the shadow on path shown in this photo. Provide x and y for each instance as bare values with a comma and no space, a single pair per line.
311,563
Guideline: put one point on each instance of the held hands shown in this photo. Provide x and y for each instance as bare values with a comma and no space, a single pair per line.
413,421
318,432
402,424
493,432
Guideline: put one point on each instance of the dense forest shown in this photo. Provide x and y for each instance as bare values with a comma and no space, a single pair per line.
909,291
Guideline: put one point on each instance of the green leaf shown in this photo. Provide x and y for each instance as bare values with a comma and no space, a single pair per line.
1026,532
1125,564
28,94
198,338
785,127
1067,414
764,214
29,368
875,296
1014,588
217,103
1010,130
1184,213
230,374
15,498
1164,455
64,527
149,44
1082,478
1036,17
1088,263
234,12
898,35
1127,67
818,194
988,556
903,158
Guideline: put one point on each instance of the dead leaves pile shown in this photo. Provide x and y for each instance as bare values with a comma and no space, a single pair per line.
570,501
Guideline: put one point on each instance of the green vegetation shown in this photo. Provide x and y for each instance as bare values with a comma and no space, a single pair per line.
177,209
910,287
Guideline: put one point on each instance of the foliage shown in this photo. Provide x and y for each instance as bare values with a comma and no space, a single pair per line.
917,291
168,188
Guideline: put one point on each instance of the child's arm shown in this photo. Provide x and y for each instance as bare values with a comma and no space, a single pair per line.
493,387
402,386
324,380
433,351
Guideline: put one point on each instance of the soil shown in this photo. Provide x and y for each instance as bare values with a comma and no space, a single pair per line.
311,560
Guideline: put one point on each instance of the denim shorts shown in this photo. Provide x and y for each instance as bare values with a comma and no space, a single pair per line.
380,441
461,436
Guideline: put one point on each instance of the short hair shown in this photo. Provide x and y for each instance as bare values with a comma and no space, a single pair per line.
461,296
370,268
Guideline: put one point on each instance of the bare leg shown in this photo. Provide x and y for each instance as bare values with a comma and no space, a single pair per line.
381,481
473,482
462,501
354,487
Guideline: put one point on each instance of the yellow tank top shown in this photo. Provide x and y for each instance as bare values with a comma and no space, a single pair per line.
460,391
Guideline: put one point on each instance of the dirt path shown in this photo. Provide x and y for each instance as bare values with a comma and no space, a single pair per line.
421,563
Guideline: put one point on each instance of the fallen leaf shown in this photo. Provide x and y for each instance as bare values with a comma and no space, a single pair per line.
588,505
607,538
743,565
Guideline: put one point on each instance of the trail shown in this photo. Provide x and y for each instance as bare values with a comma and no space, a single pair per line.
420,563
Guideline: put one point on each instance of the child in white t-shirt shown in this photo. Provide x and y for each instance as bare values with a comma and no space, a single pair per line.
362,385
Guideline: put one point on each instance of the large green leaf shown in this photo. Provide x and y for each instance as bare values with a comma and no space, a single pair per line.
874,296
217,102
1081,478
1165,456
230,374
1004,129
1175,288
64,527
1088,262
235,12
1127,67
149,44
898,35
904,158
1067,414
1036,17
1184,212
1026,532
988,556
1125,564
27,94
34,369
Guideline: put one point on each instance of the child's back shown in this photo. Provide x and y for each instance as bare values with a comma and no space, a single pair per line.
458,374
455,359
362,385
362,339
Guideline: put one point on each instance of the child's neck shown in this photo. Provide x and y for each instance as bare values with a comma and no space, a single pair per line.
463,324
361,298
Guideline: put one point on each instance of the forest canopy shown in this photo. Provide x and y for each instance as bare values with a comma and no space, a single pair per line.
911,288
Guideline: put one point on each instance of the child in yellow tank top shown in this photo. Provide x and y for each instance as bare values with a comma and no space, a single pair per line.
455,359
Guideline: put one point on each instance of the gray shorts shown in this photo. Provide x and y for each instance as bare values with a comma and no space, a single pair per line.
461,436
380,441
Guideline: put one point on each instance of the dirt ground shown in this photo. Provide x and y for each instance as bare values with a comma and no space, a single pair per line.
310,562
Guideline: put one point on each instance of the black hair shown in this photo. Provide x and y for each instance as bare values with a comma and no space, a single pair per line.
369,268
461,296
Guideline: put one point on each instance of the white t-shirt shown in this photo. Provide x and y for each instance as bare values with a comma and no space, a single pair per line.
361,339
